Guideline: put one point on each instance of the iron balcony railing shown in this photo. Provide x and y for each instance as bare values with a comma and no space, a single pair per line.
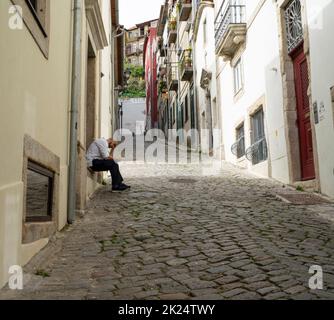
258,152
238,148
228,14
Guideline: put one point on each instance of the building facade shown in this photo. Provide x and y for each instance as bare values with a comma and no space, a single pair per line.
176,94
38,102
134,42
261,76
270,118
150,63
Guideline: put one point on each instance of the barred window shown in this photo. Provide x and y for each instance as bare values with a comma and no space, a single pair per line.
259,147
241,141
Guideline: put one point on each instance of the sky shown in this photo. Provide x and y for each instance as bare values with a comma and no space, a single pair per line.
137,11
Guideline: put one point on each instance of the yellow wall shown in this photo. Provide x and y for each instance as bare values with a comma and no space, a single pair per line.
34,100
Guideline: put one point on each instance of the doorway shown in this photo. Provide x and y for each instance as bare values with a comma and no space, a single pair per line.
91,95
303,114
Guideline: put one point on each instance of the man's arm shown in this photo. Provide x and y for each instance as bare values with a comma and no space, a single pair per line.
103,148
114,145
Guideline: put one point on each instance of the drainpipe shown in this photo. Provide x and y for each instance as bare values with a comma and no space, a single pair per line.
196,95
75,100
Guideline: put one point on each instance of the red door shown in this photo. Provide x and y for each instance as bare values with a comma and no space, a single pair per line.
303,113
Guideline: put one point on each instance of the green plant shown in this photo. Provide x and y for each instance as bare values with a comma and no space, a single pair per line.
42,273
300,188
162,86
172,23
135,85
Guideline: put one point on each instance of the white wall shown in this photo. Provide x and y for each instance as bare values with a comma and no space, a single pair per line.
261,67
106,69
35,100
320,16
205,59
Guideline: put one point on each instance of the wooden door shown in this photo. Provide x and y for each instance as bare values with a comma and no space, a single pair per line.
304,115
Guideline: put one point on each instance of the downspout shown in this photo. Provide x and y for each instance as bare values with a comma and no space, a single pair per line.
197,114
75,100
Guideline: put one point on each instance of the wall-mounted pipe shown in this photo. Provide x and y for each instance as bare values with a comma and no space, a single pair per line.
75,100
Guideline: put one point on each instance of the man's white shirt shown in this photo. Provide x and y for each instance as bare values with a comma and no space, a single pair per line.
98,150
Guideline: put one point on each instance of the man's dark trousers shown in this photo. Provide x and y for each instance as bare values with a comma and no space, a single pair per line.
108,165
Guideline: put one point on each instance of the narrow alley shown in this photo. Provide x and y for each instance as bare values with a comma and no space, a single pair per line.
224,236
218,114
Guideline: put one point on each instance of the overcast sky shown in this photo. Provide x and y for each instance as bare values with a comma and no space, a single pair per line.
137,11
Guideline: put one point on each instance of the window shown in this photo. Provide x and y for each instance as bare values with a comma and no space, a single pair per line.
181,116
186,108
174,111
38,9
294,25
259,147
192,107
204,31
39,196
240,141
238,76
36,15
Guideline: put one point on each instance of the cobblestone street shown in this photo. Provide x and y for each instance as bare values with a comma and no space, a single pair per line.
182,233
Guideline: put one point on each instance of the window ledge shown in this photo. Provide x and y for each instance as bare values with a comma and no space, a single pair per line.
34,28
238,95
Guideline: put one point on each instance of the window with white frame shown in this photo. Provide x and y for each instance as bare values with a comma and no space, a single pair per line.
238,76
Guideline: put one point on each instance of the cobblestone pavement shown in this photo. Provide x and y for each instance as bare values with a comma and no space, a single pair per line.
185,233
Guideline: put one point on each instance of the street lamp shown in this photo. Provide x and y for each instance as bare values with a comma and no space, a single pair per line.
120,114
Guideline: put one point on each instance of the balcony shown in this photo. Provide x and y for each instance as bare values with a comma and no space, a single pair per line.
172,79
186,65
231,29
185,9
258,152
238,148
162,48
172,31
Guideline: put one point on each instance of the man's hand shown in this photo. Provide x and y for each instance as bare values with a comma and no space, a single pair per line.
114,144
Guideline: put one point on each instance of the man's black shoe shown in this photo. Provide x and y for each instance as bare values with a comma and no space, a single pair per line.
120,188
126,186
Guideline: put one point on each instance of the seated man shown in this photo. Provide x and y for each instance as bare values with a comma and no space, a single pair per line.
99,159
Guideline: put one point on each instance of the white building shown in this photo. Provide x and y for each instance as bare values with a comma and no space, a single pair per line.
320,21
205,74
265,52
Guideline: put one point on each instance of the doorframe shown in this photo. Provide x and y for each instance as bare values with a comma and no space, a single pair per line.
290,102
